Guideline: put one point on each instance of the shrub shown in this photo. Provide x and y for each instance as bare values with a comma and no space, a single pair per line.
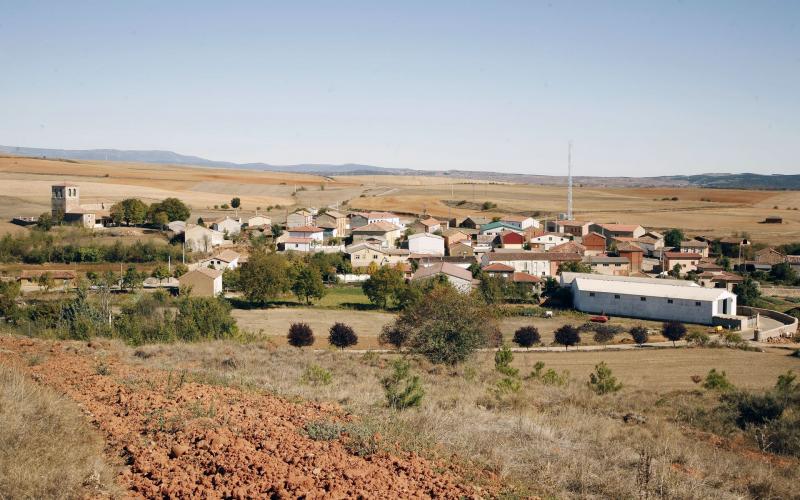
717,381
698,338
551,377
753,409
603,336
300,335
602,381
527,336
316,375
673,330
402,389
640,334
342,335
502,362
537,370
567,335
324,430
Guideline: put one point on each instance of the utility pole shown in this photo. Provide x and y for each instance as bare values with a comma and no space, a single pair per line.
569,181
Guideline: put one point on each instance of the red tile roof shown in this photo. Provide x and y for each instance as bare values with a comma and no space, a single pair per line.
524,278
498,267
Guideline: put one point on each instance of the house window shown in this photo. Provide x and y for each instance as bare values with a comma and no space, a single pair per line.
643,299
616,296
697,304
669,301
591,294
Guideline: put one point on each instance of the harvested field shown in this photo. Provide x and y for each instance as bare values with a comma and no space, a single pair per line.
181,437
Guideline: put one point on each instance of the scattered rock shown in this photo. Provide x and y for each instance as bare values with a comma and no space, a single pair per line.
634,418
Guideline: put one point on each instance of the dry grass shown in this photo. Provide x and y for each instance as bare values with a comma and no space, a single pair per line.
47,449
547,440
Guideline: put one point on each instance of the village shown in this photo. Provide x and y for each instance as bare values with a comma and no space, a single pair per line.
608,269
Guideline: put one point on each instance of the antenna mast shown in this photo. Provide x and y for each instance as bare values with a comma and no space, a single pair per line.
569,181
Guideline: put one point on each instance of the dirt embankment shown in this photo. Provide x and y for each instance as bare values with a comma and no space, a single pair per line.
180,438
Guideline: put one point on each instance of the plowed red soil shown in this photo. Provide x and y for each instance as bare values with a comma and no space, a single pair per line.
181,439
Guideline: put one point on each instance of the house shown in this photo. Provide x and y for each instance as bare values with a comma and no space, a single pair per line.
647,298
650,244
572,227
594,243
519,221
452,236
510,239
202,239
769,256
227,225
363,254
484,243
618,230
498,269
794,261
569,247
227,259
426,225
58,277
498,227
686,261
259,221
694,246
384,232
535,263
612,266
527,280
731,245
328,230
546,241
300,218
202,282
335,219
719,279
475,222
313,232
460,249
361,219
634,254
177,226
459,278
426,244
297,244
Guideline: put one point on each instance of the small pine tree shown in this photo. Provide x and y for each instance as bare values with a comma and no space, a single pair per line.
402,389
673,330
602,381
300,335
567,335
502,362
717,381
639,334
342,335
527,336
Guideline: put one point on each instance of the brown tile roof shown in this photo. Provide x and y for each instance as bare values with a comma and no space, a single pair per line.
380,226
569,247
519,277
305,229
571,223
211,273
297,240
514,218
524,255
226,256
629,247
443,268
681,255
623,228
498,267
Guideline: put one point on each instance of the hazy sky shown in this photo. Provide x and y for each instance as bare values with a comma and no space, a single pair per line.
641,88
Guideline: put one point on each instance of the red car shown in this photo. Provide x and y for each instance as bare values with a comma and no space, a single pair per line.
599,319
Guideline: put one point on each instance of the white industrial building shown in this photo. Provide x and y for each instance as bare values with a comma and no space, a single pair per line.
647,298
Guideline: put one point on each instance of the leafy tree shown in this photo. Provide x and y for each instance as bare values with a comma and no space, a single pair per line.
45,281
308,284
236,202
526,336
725,262
394,335
230,279
132,278
402,389
264,276
676,271
748,292
783,272
9,291
161,219
160,273
567,335
551,287
574,267
492,288
602,381
45,222
674,237
342,336
224,206
300,335
173,207
639,334
130,211
201,318
382,285
446,326
180,270
673,330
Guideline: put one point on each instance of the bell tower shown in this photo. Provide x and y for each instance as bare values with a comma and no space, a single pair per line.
64,198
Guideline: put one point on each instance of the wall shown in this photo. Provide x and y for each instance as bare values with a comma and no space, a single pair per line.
788,329
655,308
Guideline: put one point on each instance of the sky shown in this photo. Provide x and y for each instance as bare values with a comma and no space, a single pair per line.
641,88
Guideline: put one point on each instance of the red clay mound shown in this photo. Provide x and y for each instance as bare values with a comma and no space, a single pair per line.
185,439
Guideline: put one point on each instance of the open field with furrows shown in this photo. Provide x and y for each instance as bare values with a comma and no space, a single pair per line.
25,190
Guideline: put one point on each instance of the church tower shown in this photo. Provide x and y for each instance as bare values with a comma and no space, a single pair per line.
65,198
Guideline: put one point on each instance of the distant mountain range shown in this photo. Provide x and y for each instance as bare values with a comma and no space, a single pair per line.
721,180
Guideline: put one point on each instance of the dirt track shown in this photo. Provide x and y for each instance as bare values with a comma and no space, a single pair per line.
180,438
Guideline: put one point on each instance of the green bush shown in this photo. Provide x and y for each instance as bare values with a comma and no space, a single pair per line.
698,338
602,381
502,362
551,377
717,381
402,389
316,375
324,430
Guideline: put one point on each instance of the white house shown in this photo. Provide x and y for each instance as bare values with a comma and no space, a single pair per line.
360,219
520,221
426,244
653,299
202,239
177,226
535,263
297,244
314,233
547,241
227,225
460,278
227,259
259,221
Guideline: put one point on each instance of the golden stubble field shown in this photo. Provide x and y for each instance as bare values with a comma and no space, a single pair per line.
25,190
